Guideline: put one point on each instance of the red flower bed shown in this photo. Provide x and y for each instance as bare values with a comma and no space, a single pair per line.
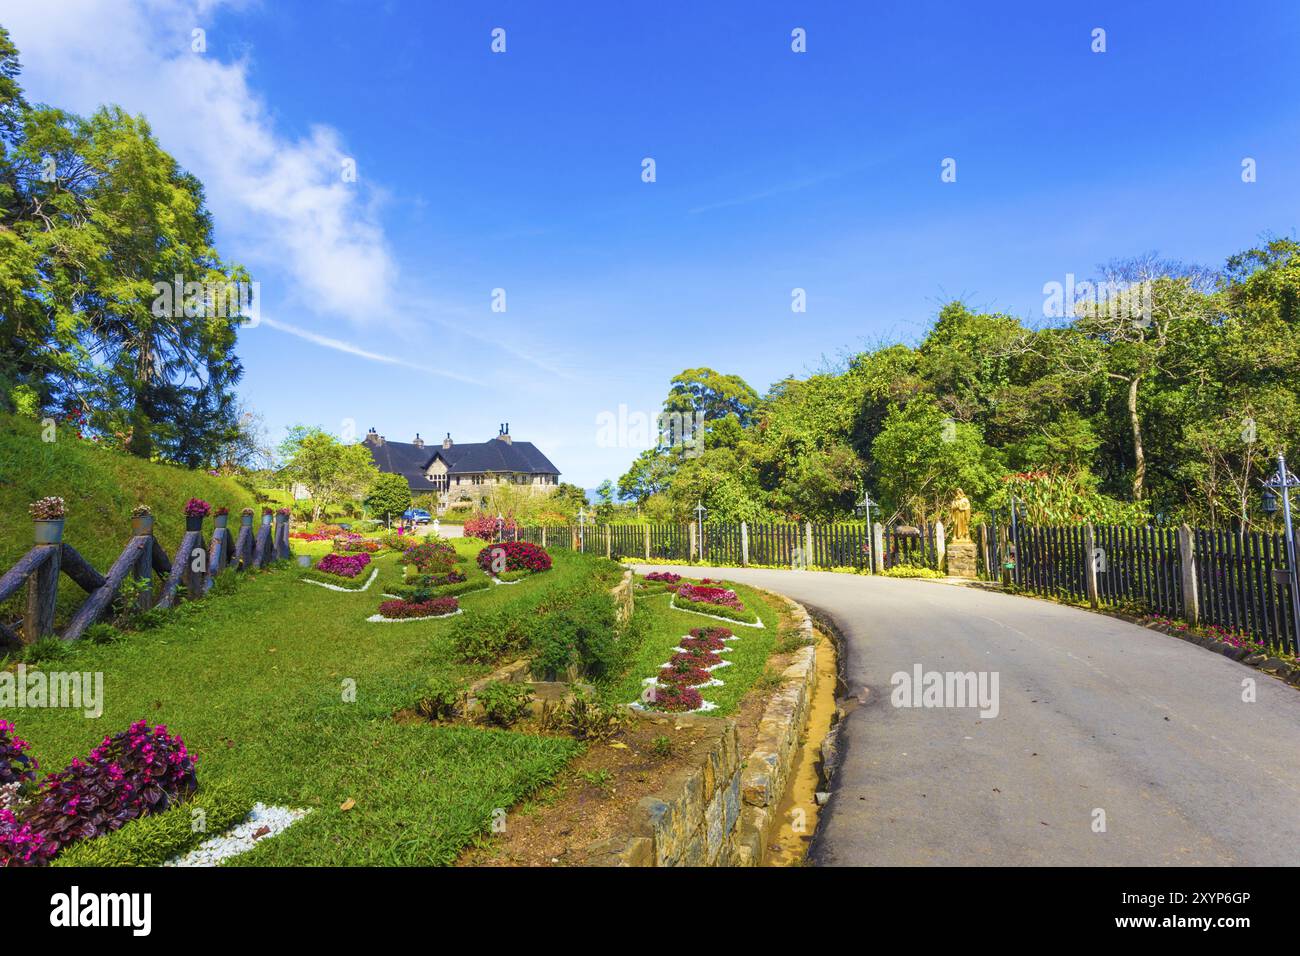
485,526
667,577
710,632
700,659
431,557
436,607
706,645
720,597
677,698
343,565
518,556
686,677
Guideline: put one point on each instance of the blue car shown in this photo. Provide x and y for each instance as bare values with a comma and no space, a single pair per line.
417,516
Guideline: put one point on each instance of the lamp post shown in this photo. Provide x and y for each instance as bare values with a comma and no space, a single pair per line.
863,510
699,515
1283,481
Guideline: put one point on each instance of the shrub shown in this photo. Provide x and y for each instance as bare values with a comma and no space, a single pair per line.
343,565
137,772
483,525
432,557
504,703
434,607
589,719
443,698
685,675
514,556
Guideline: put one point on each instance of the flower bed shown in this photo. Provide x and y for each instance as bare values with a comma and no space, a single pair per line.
514,556
432,557
137,772
678,699
665,577
401,610
343,565
676,688
351,543
485,526
716,596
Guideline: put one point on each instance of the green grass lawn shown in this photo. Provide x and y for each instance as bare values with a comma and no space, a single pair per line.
254,682
257,681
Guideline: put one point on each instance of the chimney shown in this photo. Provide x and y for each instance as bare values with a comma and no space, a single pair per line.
372,436
505,433
419,442
446,442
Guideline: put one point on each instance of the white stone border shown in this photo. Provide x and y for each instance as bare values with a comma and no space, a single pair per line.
239,838
703,708
374,572
380,619
725,620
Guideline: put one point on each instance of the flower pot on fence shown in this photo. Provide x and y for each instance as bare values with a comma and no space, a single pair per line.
142,524
221,520
245,521
48,530
194,523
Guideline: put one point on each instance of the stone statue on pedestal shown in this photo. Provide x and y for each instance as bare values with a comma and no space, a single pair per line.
960,511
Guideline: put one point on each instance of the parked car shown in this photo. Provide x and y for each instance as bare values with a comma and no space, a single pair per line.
417,515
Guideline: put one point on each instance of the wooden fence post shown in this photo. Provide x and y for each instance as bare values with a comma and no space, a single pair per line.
693,552
647,542
744,544
42,592
142,571
543,536
609,548
1090,564
1187,565
877,548
807,545
940,546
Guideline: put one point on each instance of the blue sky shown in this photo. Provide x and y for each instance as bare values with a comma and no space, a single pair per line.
775,170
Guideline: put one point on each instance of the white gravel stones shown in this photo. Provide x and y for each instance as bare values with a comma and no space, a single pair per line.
374,573
261,824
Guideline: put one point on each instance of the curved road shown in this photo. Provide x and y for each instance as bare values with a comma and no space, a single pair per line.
1094,714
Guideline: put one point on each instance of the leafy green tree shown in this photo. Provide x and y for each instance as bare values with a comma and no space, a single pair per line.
331,472
389,495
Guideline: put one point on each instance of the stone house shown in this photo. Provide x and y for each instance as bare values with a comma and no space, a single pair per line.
464,472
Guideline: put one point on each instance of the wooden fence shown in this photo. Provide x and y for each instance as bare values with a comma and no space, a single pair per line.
144,559
769,544
1237,581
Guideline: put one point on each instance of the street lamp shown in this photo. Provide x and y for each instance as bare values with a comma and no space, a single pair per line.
1283,481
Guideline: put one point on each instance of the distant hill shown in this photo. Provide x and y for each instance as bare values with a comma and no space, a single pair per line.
99,488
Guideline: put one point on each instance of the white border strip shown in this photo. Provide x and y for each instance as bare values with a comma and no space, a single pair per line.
380,619
374,572
726,620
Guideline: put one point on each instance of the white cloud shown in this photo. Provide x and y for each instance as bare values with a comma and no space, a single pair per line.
277,198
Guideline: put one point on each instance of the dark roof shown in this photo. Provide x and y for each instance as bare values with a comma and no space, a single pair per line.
411,461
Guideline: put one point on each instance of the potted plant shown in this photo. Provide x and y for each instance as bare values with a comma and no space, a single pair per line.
47,516
246,518
196,509
221,517
282,516
141,520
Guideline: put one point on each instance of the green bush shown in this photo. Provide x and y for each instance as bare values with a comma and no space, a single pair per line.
503,703
590,719
152,840
443,699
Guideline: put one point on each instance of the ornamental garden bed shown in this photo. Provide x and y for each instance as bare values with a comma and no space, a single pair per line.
715,601
598,795
342,572
400,609
511,561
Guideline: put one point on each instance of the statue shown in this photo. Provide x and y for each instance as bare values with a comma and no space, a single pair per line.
960,510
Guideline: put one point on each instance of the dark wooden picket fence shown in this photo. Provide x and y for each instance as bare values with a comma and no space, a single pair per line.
766,544
1241,582
160,576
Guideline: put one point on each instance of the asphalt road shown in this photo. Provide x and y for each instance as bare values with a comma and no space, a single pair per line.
1094,714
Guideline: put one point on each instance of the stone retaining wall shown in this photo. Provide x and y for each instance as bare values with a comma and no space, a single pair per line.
623,599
